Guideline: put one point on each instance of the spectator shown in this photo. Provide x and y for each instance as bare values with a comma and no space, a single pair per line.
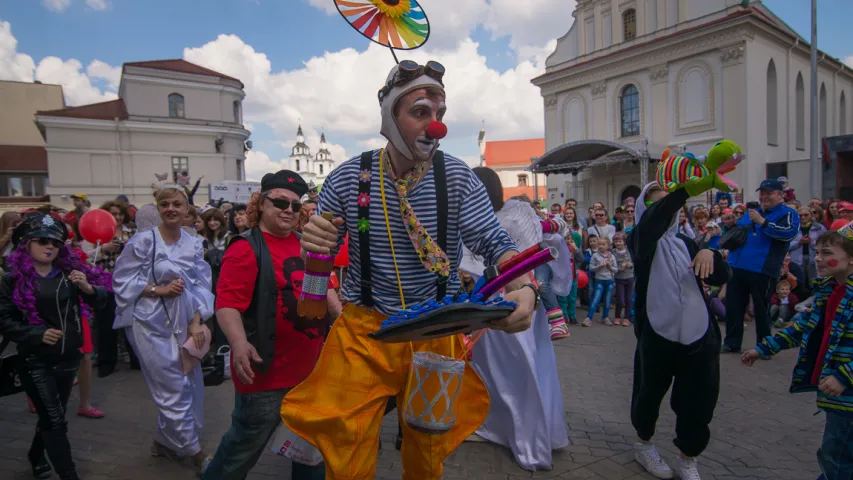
757,263
311,206
739,211
716,213
556,209
601,228
603,266
831,214
724,203
802,247
788,194
700,221
684,227
721,196
729,220
782,305
8,222
711,239
845,210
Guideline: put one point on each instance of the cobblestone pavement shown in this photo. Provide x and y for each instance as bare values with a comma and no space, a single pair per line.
759,430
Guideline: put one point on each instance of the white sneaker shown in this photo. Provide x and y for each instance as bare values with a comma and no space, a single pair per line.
687,469
647,456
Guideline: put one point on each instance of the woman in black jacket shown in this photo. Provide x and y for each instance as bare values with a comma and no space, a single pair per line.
43,300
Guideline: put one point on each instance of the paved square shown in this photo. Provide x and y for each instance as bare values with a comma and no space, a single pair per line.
759,430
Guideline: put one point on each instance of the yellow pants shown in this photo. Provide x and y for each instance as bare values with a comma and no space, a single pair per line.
339,407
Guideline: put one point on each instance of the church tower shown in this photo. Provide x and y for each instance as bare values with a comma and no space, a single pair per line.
323,161
300,157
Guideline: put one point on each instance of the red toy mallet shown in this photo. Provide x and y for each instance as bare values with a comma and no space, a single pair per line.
436,130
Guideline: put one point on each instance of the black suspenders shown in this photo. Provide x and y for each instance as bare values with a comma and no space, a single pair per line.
440,177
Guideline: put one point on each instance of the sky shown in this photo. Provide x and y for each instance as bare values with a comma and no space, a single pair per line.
302,64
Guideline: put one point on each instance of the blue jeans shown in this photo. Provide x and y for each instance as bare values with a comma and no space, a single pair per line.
835,455
603,290
253,421
543,276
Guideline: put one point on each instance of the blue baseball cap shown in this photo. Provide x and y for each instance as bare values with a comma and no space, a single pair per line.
770,184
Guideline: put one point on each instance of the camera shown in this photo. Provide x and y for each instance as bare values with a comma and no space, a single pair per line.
752,205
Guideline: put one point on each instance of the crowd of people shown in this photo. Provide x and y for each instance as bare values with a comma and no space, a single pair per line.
412,225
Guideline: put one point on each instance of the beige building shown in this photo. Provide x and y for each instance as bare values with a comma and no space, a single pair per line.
23,159
171,118
632,77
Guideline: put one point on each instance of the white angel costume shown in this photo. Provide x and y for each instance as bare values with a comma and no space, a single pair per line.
520,370
157,327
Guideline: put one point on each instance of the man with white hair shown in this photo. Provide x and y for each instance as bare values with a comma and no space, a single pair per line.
408,209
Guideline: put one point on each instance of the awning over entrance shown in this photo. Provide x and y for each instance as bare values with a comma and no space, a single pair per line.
574,156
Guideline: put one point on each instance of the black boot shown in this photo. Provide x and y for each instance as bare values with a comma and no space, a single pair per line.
59,451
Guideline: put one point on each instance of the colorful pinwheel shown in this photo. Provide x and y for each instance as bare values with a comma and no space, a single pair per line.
397,24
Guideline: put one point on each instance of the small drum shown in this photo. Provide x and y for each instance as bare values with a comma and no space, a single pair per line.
432,392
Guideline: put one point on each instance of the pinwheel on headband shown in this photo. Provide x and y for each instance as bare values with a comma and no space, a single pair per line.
396,24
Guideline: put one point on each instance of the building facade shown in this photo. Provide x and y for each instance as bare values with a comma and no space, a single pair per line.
172,118
23,158
313,168
684,74
510,159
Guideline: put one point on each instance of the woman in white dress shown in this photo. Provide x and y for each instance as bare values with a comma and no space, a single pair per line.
162,287
520,370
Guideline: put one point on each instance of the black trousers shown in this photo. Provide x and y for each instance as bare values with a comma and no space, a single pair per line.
48,382
739,289
694,372
107,339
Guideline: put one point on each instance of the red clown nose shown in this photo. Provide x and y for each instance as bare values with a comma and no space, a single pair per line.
436,130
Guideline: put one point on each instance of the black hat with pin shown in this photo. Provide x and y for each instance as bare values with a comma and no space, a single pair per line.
286,179
39,226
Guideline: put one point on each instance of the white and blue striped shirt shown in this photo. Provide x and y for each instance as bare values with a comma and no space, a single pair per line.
471,218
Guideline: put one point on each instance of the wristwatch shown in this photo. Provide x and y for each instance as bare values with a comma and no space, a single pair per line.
535,292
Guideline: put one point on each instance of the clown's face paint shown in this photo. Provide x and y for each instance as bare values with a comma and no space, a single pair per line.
416,111
832,261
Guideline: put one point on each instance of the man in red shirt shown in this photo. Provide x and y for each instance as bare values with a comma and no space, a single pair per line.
272,348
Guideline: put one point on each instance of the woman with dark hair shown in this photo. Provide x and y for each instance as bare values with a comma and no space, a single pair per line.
215,229
238,221
42,302
520,370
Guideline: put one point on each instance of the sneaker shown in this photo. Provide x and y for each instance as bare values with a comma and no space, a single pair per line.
626,322
587,323
727,349
559,330
647,456
687,469
608,322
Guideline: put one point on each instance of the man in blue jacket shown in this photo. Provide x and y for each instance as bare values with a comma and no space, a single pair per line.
757,263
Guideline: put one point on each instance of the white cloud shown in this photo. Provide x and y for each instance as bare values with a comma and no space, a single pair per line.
258,164
849,61
76,83
373,143
324,5
56,5
102,70
98,4
338,90
13,65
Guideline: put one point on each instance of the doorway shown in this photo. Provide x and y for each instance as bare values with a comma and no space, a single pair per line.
629,191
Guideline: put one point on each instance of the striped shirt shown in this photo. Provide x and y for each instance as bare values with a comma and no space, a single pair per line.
471,221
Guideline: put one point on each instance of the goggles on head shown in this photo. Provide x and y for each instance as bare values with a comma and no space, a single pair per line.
409,70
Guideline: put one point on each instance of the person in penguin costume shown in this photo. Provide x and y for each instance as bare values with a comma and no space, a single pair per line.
678,343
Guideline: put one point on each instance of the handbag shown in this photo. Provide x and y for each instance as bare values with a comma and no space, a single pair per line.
213,367
734,238
215,371
10,380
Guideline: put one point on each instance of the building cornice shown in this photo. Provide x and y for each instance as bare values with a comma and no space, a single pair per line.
131,125
716,36
184,83
94,151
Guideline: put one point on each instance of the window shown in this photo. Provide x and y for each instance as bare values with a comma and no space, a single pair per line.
800,113
522,180
776,170
238,118
240,169
321,169
629,24
842,115
180,166
823,112
297,165
176,105
22,185
629,108
772,105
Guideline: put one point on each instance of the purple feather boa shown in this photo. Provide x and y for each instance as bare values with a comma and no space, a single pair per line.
21,268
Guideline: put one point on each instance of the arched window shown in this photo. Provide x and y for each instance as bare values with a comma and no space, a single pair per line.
629,24
823,113
297,165
842,115
629,109
238,117
772,105
800,114
176,105
321,169
522,180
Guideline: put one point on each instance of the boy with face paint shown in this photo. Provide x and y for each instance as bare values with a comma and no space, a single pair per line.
339,408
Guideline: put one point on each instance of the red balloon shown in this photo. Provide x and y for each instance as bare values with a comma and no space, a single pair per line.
97,226
839,224
583,280
436,130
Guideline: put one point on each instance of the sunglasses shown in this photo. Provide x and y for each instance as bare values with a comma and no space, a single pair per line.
599,215
409,70
629,211
49,241
284,204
